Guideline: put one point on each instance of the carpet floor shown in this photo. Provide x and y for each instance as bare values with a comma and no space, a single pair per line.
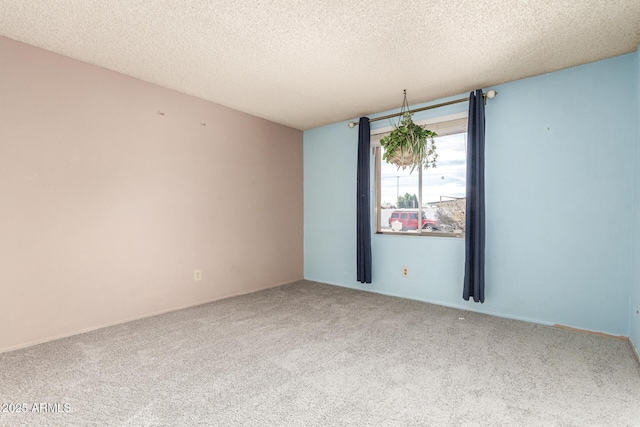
310,354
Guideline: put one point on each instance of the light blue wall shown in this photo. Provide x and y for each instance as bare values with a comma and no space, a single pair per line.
559,186
634,307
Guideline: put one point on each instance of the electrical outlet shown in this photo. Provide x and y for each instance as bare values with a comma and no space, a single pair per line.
197,275
405,271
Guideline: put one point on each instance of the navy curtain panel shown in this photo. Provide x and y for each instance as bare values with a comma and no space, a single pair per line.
364,205
475,227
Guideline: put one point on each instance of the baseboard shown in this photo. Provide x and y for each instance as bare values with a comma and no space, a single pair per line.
131,319
587,331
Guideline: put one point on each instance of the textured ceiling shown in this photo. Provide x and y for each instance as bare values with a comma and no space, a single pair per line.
307,63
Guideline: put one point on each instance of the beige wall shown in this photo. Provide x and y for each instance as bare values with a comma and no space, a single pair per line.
107,206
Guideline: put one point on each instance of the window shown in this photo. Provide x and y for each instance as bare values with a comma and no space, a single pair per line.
436,195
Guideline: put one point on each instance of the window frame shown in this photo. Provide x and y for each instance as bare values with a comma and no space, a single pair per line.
377,134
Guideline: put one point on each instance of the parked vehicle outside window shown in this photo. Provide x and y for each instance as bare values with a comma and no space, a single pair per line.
409,220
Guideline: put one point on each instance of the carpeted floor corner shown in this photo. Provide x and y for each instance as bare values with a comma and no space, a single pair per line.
310,354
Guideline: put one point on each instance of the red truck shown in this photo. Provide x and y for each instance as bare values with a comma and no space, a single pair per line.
409,220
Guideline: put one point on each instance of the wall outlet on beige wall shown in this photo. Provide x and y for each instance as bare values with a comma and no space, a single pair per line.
197,275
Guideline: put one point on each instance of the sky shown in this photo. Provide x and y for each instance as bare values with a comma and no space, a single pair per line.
447,179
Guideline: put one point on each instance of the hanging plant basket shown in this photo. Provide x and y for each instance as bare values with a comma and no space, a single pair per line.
402,159
409,144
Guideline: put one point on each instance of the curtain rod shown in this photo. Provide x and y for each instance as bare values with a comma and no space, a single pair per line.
490,94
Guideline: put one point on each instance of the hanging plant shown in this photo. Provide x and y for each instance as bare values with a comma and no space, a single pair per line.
409,144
